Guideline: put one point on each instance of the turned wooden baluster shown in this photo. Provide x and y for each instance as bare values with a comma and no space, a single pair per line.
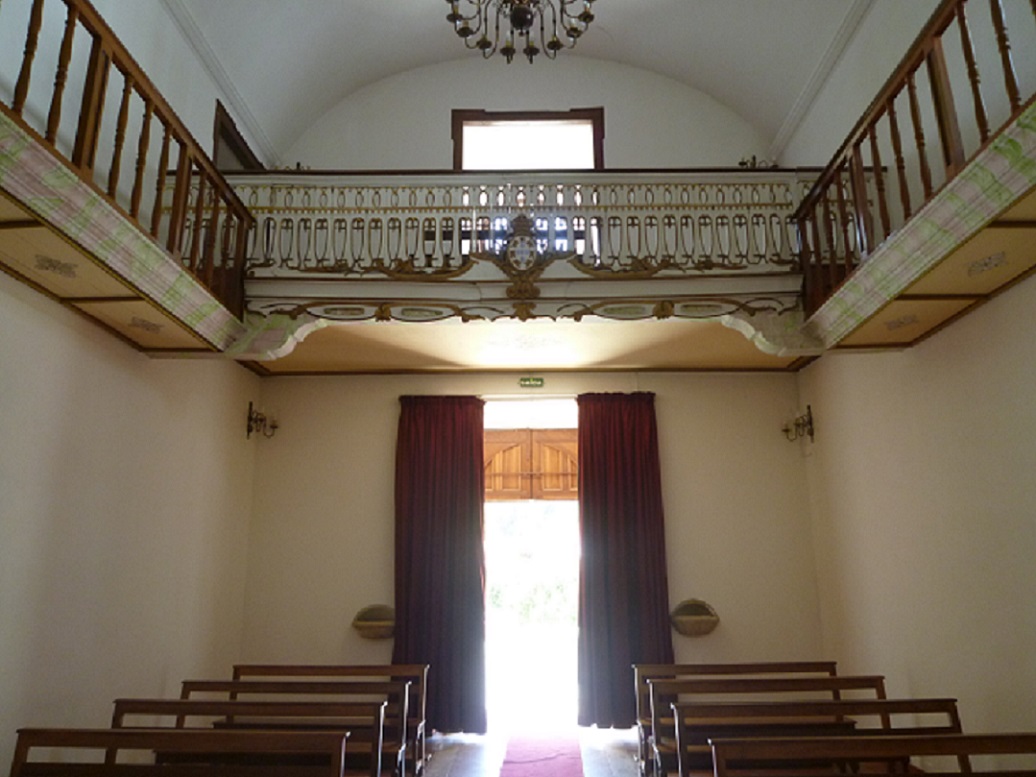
803,224
163,168
92,107
919,139
181,191
818,258
1010,80
61,76
209,254
235,277
897,150
143,144
973,75
198,225
844,219
945,110
861,207
879,183
120,136
829,240
32,38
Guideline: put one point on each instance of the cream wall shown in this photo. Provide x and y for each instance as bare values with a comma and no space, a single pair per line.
734,495
153,39
125,494
881,40
924,511
403,122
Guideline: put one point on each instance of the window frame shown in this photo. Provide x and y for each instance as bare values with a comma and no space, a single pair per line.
228,140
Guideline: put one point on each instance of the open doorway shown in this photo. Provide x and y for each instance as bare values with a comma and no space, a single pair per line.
532,565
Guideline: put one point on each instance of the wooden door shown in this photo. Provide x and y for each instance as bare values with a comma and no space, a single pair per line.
531,464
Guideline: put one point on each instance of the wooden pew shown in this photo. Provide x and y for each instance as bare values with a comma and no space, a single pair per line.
644,672
261,715
664,692
882,754
76,753
395,692
699,722
417,674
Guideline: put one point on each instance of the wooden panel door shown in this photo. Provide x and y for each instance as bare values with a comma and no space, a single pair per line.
531,464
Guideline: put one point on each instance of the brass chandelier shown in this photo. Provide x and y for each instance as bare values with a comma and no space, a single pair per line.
531,26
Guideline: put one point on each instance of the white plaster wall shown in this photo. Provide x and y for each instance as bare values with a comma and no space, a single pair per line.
923,506
125,494
734,494
152,38
881,41
403,122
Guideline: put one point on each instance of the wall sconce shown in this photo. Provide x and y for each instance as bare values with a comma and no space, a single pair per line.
259,423
800,426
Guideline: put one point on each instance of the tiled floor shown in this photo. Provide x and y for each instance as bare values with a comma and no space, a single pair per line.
606,753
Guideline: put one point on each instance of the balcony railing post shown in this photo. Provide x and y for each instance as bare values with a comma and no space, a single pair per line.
879,186
32,37
1004,45
143,145
919,137
120,137
61,75
945,110
861,207
973,75
897,150
96,85
160,193
178,211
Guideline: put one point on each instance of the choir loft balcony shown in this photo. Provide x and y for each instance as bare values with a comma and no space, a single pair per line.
111,207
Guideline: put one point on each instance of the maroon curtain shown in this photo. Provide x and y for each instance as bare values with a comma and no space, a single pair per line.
623,589
440,568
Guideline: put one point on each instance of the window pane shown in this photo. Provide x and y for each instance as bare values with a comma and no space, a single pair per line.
529,145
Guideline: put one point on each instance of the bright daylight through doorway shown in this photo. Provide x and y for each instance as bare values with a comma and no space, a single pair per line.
532,590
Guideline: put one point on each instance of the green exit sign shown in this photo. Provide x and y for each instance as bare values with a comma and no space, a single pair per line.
530,382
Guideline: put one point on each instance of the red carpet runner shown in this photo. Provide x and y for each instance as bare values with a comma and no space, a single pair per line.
542,756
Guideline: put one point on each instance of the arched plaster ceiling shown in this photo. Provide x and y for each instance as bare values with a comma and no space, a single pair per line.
284,64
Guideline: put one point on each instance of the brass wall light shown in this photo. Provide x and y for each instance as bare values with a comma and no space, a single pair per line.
260,423
800,426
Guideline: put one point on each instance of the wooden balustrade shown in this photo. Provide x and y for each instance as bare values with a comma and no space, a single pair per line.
887,169
98,142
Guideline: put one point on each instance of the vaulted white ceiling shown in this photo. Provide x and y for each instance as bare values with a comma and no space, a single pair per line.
284,64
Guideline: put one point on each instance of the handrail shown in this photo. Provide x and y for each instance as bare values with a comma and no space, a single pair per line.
207,239
851,210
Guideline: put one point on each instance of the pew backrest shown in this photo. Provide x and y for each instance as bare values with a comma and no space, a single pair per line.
417,674
365,717
664,692
395,692
644,672
70,752
941,754
699,722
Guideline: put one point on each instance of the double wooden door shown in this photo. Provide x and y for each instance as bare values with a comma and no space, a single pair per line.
531,464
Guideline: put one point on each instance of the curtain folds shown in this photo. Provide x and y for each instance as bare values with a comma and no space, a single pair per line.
624,592
440,567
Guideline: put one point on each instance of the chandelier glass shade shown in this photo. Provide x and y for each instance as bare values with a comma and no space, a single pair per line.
532,27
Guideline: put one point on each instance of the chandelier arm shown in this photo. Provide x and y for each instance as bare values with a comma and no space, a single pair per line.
518,18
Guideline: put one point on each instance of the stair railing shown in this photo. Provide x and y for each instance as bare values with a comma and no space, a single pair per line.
74,58
887,169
